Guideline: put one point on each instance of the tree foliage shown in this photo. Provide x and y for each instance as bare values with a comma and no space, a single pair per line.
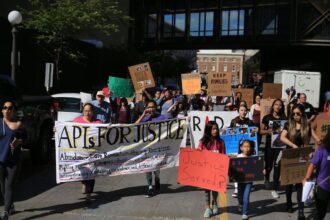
58,21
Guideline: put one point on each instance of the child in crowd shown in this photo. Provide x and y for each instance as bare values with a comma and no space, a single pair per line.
244,188
211,141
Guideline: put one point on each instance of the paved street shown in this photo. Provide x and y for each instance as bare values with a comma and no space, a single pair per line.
122,197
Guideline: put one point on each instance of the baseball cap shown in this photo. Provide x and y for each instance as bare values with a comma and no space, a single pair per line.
100,93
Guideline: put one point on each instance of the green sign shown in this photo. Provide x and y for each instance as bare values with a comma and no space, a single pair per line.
120,87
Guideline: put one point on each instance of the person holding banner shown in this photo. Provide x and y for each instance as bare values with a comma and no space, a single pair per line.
296,133
87,118
148,115
12,136
244,188
240,121
272,154
211,141
321,162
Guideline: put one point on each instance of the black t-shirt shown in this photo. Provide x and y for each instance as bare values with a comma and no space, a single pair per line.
238,122
268,121
297,139
197,104
309,110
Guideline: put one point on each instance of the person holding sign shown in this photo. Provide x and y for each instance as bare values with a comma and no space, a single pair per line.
272,154
244,188
150,114
12,136
87,118
211,141
321,161
240,121
296,133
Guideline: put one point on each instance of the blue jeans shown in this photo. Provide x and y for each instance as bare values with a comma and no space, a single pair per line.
149,177
244,190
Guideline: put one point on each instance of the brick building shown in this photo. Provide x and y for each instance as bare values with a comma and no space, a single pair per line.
221,61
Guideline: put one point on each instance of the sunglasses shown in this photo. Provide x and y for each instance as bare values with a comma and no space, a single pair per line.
9,108
296,113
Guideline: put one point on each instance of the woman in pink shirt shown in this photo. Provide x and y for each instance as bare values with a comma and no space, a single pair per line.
87,118
211,141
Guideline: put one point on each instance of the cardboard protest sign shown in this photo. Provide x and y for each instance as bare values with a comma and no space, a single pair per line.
141,76
247,95
219,84
294,165
191,83
120,87
199,118
87,151
277,128
265,107
203,169
322,124
244,169
232,137
272,90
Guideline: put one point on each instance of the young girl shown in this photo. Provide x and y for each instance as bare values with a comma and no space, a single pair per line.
244,188
211,141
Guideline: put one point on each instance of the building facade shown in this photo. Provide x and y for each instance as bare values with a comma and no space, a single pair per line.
221,61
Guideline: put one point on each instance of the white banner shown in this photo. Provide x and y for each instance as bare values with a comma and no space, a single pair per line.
198,118
85,151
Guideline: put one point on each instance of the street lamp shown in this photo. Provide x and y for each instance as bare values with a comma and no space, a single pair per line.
14,18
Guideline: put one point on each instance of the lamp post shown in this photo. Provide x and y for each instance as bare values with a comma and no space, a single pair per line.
14,18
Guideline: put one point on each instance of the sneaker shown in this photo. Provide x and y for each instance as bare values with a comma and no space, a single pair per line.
275,194
245,217
150,193
235,195
207,213
215,209
157,184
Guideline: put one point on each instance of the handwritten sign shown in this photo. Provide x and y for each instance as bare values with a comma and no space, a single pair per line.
294,165
322,124
203,169
191,83
244,169
141,76
232,137
219,84
247,95
272,90
277,128
265,107
120,87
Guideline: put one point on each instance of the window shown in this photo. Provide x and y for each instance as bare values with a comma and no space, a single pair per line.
232,22
213,59
174,25
268,21
151,26
234,68
205,68
213,67
201,24
225,59
225,68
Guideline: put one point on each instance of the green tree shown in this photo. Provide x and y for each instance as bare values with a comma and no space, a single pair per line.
57,22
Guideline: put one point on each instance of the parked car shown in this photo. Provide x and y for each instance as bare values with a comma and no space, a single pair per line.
66,106
35,113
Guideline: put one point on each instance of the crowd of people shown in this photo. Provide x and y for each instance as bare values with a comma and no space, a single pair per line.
168,103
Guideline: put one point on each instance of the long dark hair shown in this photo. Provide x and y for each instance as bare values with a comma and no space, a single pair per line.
304,130
282,112
207,137
326,141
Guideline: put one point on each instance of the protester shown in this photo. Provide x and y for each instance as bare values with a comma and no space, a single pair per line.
140,106
219,105
237,100
150,114
196,103
296,133
166,103
326,99
102,109
309,109
244,188
255,115
211,141
321,162
180,109
123,114
87,118
204,94
271,156
240,121
12,136
323,116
